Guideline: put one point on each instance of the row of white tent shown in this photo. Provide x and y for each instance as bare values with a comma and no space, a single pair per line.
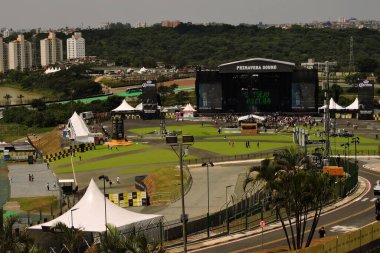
124,107
334,106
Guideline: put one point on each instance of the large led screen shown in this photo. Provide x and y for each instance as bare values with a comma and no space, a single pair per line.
303,96
210,96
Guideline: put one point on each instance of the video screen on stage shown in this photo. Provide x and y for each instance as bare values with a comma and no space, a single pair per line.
149,97
210,96
366,90
303,96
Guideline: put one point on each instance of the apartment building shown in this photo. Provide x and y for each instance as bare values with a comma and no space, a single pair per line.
51,50
76,46
20,54
3,56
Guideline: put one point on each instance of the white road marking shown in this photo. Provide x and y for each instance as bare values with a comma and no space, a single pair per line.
365,199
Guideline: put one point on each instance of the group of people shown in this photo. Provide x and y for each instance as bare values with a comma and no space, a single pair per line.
31,177
48,186
289,121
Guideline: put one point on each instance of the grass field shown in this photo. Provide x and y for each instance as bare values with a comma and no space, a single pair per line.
12,132
36,203
258,137
239,148
195,130
101,151
148,157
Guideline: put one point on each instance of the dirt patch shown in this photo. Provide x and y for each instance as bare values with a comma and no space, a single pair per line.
189,82
49,142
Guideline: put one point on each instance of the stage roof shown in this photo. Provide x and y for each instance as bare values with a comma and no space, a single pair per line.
256,65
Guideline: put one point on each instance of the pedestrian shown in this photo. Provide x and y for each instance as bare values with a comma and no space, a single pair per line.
80,158
219,130
118,180
229,143
110,184
11,179
32,178
258,144
233,144
246,144
48,186
54,185
48,165
322,232
117,148
377,137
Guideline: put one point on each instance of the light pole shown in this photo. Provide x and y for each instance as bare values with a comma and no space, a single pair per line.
105,178
173,141
208,195
72,220
356,141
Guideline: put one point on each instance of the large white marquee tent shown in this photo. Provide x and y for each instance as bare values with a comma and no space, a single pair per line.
88,214
334,106
79,130
124,107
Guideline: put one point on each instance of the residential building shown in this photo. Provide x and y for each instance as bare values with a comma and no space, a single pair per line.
168,23
3,56
51,50
20,54
7,33
76,46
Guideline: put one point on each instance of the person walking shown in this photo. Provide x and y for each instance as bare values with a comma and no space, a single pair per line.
322,232
118,179
48,186
258,144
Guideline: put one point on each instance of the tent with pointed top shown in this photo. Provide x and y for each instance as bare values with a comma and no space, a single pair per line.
332,106
88,214
139,107
78,130
188,111
124,107
354,105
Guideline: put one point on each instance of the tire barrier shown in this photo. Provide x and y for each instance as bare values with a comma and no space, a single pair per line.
129,199
376,116
67,152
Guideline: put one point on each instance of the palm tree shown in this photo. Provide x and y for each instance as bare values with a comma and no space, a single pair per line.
7,97
71,238
20,97
297,190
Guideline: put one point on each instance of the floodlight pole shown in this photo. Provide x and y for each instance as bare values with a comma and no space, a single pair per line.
327,109
72,220
182,199
105,199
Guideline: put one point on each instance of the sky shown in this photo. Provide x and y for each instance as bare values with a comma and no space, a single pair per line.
20,14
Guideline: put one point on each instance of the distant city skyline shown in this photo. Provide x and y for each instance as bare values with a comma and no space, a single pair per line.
21,14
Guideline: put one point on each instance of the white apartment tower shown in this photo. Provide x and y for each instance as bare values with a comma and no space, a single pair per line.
3,56
76,46
51,50
20,54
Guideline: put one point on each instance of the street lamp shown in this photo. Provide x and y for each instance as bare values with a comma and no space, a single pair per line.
72,220
208,196
356,141
104,178
173,141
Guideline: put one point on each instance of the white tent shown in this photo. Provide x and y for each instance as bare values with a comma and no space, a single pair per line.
89,214
79,130
139,107
188,111
354,105
251,116
52,70
124,107
332,106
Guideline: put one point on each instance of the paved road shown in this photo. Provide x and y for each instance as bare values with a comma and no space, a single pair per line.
355,215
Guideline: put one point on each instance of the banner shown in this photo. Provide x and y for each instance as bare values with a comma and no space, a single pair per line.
366,90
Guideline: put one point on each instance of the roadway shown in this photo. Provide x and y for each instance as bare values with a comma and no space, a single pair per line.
357,213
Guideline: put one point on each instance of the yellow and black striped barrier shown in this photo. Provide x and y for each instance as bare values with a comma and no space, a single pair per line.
67,152
129,199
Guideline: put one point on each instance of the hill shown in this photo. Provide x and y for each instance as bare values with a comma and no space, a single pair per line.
213,45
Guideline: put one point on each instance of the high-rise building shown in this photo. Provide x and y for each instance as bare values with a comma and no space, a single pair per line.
76,46
3,56
20,54
51,50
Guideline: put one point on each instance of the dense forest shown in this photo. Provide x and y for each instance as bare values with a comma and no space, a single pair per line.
213,45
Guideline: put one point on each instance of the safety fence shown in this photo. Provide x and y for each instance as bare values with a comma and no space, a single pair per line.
126,199
70,151
366,239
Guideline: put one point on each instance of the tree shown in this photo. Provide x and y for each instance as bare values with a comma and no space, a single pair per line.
297,189
20,97
336,91
7,97
38,104
368,65
71,238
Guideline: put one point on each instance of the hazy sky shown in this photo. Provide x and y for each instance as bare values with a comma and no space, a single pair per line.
59,13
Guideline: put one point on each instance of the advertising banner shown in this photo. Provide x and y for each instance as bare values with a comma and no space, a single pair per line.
366,91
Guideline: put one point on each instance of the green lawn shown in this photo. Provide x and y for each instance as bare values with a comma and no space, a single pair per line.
11,132
101,150
195,130
148,157
257,137
223,148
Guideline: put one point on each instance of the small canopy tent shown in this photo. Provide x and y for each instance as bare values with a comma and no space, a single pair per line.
78,130
188,111
88,214
354,105
251,116
124,107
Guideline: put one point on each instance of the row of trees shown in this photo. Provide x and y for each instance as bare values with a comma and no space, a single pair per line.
64,84
73,240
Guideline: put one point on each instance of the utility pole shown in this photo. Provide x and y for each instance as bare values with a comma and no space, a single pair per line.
327,109
351,67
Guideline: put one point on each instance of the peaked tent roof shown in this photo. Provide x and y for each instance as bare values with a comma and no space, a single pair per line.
89,214
78,126
354,105
189,108
124,107
251,116
333,106
139,107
